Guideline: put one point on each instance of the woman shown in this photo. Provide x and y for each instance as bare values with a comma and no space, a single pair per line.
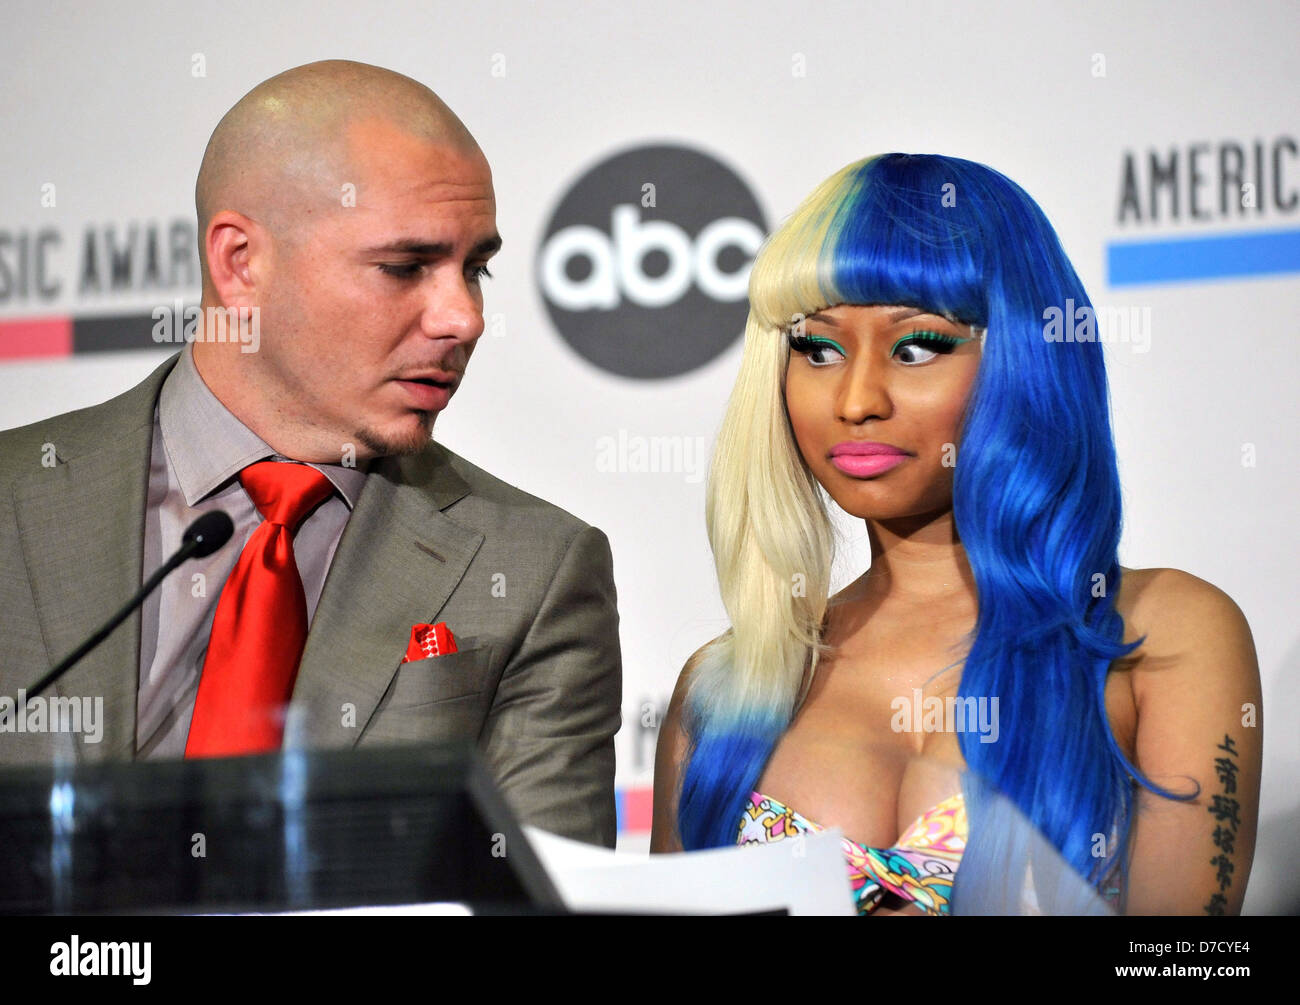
900,360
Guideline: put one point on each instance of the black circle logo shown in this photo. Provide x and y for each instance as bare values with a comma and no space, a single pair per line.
645,262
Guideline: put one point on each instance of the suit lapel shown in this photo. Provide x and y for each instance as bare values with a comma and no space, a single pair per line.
82,524
398,561
82,527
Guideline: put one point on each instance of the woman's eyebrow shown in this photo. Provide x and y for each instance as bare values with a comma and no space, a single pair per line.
903,313
893,318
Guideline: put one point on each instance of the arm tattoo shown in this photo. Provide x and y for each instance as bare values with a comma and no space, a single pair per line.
1224,808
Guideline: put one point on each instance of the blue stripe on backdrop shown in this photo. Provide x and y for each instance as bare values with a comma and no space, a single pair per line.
1192,258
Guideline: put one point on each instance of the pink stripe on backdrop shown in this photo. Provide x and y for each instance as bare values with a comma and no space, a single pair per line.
34,338
638,809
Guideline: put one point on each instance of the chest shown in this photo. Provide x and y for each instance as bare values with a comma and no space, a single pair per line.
877,741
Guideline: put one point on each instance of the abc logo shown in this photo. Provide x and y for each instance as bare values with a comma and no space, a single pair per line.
644,266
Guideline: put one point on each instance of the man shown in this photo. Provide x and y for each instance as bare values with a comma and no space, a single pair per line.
346,218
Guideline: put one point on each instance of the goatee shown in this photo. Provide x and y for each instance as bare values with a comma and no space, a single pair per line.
382,445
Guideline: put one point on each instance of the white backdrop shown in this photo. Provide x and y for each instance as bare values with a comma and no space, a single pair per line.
103,102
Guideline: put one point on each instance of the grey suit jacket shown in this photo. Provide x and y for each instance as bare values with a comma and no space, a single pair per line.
526,588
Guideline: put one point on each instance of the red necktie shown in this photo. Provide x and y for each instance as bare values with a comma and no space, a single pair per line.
260,626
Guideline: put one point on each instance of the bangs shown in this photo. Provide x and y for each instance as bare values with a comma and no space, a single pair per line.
895,229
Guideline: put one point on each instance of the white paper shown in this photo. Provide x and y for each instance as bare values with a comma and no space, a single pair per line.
805,875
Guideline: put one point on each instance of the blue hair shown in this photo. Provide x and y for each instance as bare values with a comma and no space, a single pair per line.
1036,502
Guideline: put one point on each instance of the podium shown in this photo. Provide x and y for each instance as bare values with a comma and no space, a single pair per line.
289,831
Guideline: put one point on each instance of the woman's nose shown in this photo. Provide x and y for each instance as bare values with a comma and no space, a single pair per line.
863,394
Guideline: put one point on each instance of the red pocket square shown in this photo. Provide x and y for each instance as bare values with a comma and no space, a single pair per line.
429,640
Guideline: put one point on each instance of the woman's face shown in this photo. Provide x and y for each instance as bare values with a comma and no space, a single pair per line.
875,397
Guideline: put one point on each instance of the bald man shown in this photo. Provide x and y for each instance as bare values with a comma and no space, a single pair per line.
346,221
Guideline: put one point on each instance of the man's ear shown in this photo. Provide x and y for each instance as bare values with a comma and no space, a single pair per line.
238,252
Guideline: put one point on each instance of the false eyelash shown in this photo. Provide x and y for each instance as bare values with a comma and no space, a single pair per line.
934,341
802,343
925,336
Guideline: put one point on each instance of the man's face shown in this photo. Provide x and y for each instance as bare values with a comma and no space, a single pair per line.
372,310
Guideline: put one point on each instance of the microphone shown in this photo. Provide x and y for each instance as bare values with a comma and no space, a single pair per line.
208,533
204,536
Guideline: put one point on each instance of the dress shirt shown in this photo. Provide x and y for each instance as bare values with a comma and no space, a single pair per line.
199,448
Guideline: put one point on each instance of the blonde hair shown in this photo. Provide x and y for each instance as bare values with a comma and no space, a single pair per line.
766,514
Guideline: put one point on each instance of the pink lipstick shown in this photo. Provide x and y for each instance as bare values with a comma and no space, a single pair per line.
865,459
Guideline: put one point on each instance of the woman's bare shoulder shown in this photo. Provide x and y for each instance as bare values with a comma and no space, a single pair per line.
670,753
1187,625
1198,733
1172,607
689,668
673,716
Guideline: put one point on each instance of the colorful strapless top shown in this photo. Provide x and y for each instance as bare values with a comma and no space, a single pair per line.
920,868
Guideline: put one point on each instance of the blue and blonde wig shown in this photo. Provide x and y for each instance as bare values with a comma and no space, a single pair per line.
1036,501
